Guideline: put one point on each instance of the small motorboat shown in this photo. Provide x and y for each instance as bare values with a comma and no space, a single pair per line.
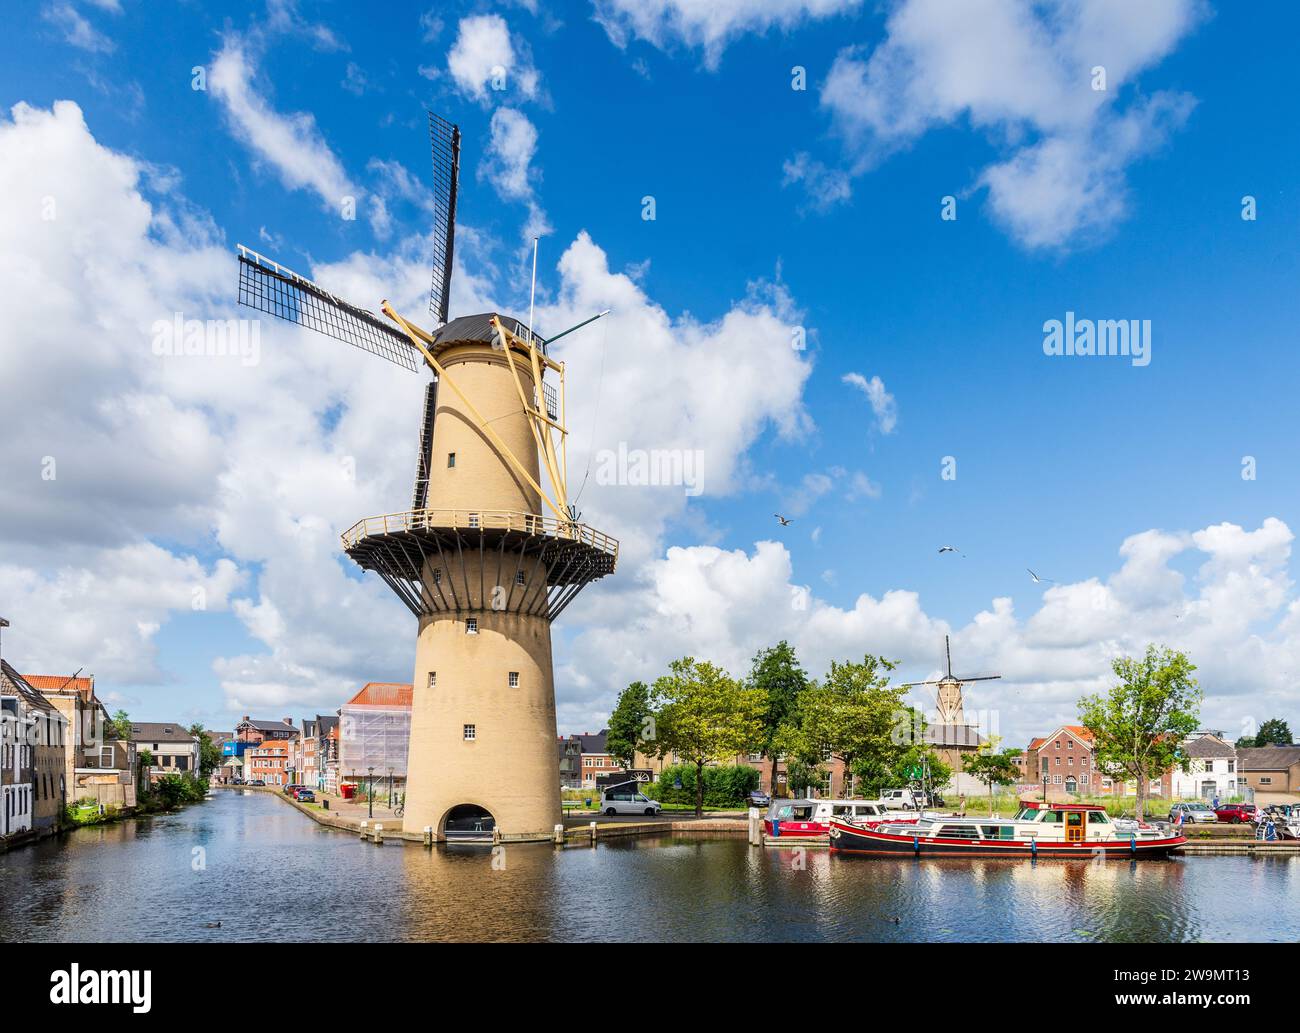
1038,830
805,818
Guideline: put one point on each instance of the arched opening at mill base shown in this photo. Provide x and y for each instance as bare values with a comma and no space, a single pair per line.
468,821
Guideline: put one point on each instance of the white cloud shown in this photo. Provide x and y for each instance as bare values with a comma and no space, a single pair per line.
485,54
708,25
1240,624
826,187
77,31
1023,74
291,144
234,463
882,402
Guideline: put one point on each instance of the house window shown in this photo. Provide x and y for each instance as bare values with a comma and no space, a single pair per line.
1266,780
1058,744
519,577
514,679
451,460
471,626
433,679
469,733
1056,780
1232,766
1070,745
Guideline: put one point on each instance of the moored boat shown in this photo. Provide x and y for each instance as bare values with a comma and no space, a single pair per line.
1038,830
805,818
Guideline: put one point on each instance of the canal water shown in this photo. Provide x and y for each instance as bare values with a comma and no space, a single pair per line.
267,872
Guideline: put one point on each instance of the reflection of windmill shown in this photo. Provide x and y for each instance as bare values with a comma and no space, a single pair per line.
485,558
948,691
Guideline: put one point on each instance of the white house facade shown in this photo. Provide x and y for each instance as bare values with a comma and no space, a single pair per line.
1211,771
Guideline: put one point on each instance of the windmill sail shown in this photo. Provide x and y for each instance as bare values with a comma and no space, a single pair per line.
420,498
445,139
269,287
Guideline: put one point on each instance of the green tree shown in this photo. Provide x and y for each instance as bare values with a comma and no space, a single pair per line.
629,724
209,752
992,766
705,716
777,674
120,725
1273,732
1139,725
855,714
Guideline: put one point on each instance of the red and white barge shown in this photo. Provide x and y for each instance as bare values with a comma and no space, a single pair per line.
1038,830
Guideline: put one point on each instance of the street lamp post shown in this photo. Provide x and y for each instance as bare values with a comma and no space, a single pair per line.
370,793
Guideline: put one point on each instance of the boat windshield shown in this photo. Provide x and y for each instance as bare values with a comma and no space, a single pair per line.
1098,818
1027,814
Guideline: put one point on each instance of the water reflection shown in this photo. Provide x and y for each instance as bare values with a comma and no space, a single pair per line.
262,868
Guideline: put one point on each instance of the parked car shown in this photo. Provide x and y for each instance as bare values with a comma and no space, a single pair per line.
236,781
1193,812
758,798
621,800
292,789
305,796
257,782
1237,813
902,799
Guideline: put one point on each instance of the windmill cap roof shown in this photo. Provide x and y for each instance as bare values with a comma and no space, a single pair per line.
476,328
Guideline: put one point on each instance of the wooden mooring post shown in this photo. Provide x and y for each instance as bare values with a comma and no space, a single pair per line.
428,835
755,827
557,835
593,833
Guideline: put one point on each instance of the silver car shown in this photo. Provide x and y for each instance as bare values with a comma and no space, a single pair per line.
1193,812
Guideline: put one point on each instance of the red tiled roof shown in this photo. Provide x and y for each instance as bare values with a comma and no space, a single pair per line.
59,683
383,694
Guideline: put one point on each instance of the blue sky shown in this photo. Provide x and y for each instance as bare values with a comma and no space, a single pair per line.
1059,459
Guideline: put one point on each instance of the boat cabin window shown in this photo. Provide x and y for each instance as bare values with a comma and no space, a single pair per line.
789,812
998,831
1098,818
1051,818
959,832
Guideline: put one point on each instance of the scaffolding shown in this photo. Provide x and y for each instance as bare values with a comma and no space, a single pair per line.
373,737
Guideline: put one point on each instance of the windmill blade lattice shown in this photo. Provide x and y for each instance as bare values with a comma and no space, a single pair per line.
445,138
269,287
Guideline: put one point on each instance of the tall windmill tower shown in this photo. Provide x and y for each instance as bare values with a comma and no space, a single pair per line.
487,556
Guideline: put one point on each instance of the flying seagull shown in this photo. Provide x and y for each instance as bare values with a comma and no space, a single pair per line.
1040,580
784,521
951,548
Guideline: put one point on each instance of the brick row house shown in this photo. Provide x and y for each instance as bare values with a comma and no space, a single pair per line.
1068,758
313,750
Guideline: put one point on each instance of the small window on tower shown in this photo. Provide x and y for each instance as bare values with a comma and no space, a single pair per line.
519,577
437,575
433,679
471,626
469,733
514,679
451,459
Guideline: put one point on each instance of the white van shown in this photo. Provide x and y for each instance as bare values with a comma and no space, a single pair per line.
625,799
902,799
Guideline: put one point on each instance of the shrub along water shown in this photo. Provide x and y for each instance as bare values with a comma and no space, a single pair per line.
724,786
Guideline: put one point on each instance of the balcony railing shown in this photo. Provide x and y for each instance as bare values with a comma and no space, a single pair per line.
479,520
